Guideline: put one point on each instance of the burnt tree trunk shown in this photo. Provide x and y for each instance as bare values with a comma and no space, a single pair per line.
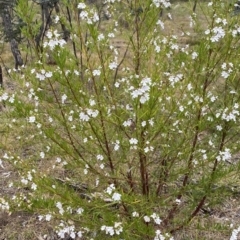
66,33
1,77
46,22
195,6
8,30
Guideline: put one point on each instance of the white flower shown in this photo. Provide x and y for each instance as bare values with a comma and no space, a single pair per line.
92,102
110,189
111,35
144,98
133,141
178,201
70,118
40,76
118,227
135,214
127,123
164,3
117,84
224,155
32,119
100,37
48,74
218,34
194,55
95,17
57,18
81,6
49,36
92,113
108,230
96,72
73,235
100,157
84,117
60,208
42,154
83,15
34,186
225,74
116,196
157,221
234,235
156,218
116,146
64,98
80,210
181,108
151,122
146,219
4,97
213,98
207,32
1,164
48,217
113,65
160,23
24,181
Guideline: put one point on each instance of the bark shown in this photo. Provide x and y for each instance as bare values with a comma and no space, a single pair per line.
1,77
46,22
66,32
8,30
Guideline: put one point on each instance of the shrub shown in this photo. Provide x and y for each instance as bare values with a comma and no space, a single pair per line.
131,141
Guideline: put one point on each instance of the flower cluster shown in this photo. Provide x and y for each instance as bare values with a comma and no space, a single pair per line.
234,235
155,218
90,16
54,40
26,180
217,32
64,230
47,217
226,69
4,205
224,155
160,236
173,79
5,96
115,196
42,74
86,115
142,91
111,230
164,3
229,114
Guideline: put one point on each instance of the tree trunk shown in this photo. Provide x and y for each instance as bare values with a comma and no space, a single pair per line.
1,77
46,22
66,32
8,29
